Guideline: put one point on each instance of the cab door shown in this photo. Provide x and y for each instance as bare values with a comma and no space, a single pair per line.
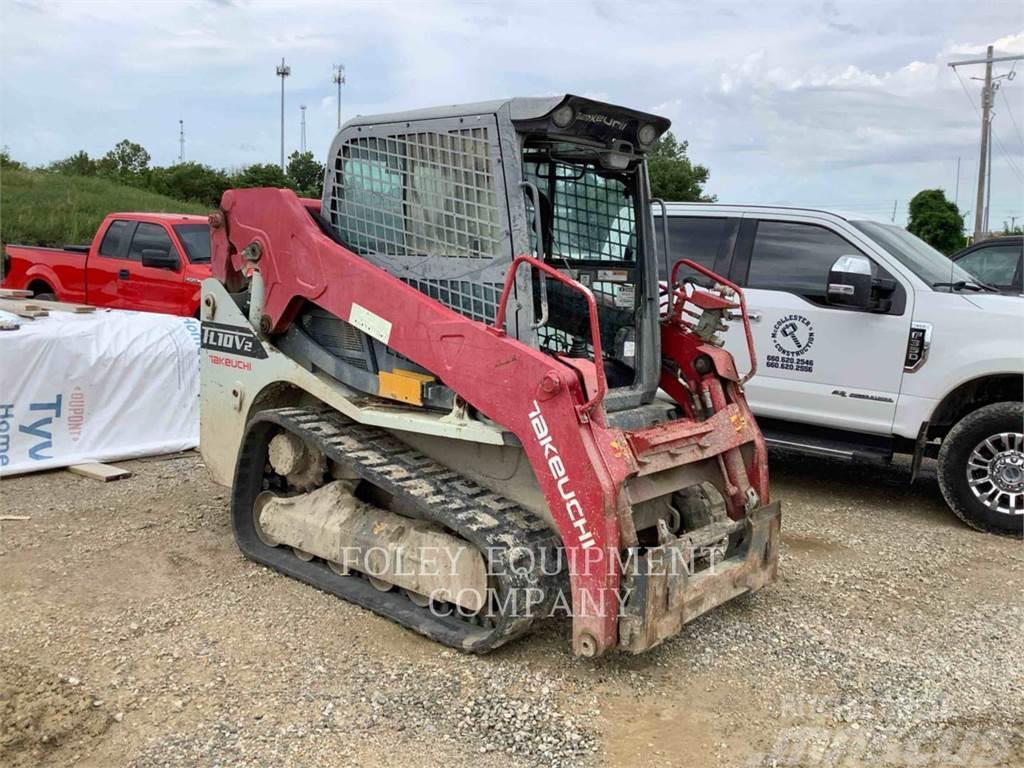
108,268
817,363
153,288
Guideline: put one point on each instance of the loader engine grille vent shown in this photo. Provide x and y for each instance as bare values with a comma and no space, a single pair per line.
337,337
427,194
477,301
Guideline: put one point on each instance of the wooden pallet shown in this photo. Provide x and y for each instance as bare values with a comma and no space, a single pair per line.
14,293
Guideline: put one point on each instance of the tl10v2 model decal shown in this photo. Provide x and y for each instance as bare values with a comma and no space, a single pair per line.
232,340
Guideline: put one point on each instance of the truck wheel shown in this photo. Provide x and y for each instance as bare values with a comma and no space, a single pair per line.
981,468
44,297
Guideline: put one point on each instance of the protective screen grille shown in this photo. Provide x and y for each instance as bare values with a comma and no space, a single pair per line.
593,219
477,301
423,194
592,216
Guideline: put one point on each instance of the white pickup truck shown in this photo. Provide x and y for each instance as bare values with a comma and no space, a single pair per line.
871,343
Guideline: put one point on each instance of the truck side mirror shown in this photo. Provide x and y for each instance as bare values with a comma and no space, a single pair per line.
154,257
849,282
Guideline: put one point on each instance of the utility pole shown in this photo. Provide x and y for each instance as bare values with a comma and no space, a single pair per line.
339,80
893,219
984,158
283,71
302,140
980,204
181,141
956,193
988,180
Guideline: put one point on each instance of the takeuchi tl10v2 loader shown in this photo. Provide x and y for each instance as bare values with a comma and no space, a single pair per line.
454,392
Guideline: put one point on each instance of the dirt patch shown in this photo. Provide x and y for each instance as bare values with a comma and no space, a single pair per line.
41,714
800,542
882,643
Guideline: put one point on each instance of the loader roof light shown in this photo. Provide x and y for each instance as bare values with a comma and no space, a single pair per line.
563,116
648,133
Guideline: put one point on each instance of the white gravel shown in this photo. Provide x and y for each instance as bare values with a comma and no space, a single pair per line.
133,633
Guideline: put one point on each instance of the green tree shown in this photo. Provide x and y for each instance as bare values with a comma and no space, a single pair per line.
78,164
937,221
262,175
190,181
127,162
7,162
673,176
306,174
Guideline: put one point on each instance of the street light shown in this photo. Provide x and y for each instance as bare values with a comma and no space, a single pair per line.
283,71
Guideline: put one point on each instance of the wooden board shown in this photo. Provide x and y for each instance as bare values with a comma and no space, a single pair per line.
59,306
104,472
14,293
17,306
23,308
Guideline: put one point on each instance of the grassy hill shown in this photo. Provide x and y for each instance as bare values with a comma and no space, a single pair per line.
41,208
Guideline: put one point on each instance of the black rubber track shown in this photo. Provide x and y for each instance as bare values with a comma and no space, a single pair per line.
520,545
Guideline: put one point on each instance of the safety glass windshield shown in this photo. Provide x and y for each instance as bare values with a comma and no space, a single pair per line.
196,239
915,254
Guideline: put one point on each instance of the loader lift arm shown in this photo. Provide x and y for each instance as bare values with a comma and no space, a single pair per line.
580,463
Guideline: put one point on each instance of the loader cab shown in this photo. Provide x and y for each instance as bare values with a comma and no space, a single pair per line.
445,198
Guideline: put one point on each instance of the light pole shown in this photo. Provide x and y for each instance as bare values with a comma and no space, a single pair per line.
181,141
283,71
339,80
302,135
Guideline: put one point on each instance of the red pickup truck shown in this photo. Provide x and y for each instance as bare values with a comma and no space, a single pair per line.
149,261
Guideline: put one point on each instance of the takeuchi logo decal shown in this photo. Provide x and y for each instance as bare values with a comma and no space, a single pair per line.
560,473
793,335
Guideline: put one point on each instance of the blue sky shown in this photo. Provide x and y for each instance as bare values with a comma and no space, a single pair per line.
831,104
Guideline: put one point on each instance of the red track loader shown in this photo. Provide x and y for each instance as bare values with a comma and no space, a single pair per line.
452,391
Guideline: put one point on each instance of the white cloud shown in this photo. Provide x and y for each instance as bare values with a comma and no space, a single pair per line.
789,101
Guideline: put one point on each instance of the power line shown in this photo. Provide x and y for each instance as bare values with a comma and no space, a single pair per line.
1007,157
1013,120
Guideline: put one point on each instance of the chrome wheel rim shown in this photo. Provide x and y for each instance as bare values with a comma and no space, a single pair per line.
995,472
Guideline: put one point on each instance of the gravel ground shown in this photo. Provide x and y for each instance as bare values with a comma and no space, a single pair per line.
133,633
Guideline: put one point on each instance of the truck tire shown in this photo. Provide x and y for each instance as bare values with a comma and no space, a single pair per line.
981,469
44,297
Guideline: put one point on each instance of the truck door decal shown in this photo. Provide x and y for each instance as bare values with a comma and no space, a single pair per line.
793,337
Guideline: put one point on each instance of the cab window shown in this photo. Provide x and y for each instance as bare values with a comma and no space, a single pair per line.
993,264
697,238
115,239
149,237
794,257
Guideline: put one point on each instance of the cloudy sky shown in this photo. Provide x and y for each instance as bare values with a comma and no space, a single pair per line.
832,104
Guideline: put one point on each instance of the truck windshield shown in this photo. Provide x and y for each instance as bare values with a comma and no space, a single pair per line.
915,254
196,239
